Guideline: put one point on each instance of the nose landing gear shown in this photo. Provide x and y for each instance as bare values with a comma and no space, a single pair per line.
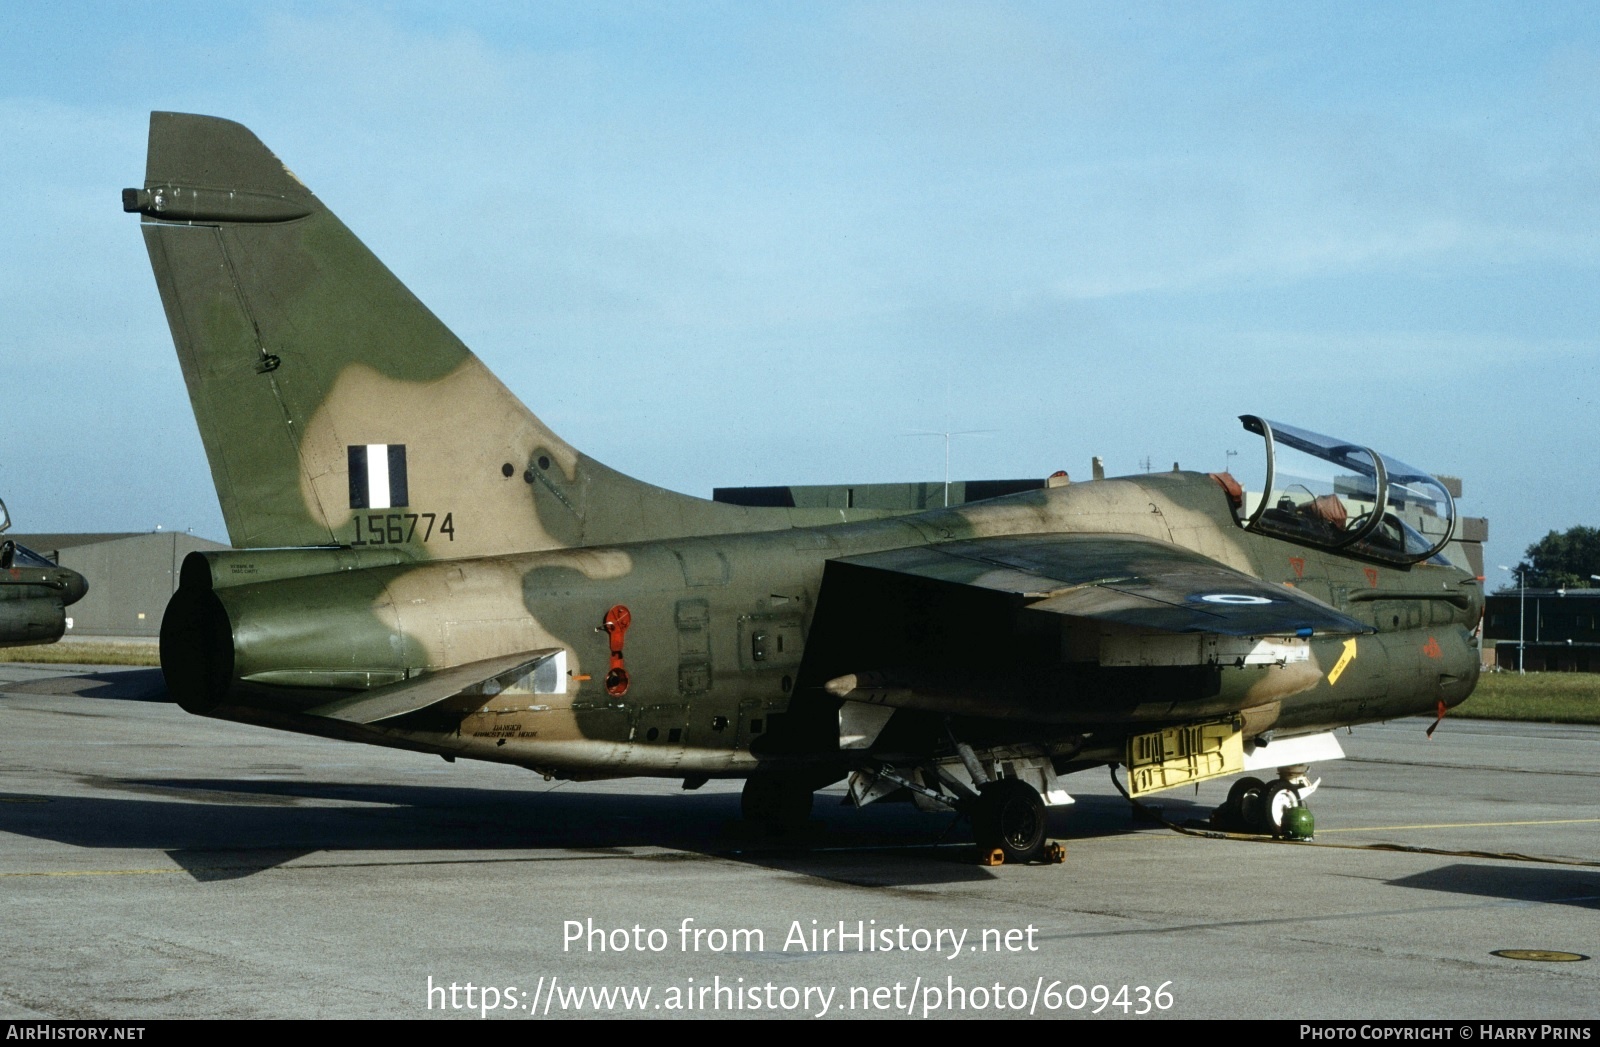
1275,808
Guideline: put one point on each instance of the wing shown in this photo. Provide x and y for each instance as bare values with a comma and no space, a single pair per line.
1131,581
1062,629
942,669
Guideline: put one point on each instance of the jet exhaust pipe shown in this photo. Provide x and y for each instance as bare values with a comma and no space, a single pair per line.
196,647
285,640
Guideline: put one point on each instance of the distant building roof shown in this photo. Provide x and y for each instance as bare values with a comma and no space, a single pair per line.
71,541
48,544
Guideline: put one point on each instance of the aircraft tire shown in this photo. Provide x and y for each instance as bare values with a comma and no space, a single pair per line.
1009,816
777,804
1276,798
1243,799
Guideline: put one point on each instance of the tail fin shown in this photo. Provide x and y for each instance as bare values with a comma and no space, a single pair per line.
334,407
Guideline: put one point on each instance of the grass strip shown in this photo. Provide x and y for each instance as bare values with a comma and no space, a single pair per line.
1535,698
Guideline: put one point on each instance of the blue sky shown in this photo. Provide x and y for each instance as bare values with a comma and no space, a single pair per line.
787,236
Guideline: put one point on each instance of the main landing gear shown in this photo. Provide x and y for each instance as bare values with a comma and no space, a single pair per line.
1008,822
1007,815
1275,808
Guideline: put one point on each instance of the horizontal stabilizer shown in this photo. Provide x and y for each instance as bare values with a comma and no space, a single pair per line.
488,677
1137,582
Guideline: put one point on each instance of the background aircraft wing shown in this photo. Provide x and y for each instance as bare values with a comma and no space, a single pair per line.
1132,581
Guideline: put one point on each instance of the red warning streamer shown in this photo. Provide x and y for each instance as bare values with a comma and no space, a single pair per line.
616,625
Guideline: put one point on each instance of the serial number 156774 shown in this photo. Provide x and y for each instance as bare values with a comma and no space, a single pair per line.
400,528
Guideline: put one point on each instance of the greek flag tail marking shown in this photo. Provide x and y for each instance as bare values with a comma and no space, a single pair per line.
378,476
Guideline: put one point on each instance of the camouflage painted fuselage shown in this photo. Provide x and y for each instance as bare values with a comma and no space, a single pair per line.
715,651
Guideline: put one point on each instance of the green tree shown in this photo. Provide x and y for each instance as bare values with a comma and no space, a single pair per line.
1563,559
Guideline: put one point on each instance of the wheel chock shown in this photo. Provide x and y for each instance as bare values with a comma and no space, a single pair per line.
994,857
1053,854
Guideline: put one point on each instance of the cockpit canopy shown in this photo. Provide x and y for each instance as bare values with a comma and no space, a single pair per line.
1335,495
14,555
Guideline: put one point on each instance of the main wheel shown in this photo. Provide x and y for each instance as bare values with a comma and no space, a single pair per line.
779,805
1008,816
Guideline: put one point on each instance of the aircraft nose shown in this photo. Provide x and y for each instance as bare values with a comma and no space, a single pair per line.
74,586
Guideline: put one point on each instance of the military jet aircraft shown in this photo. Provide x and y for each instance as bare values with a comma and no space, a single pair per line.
34,593
421,563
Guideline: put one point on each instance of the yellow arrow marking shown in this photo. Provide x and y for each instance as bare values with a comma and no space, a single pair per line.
1345,659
